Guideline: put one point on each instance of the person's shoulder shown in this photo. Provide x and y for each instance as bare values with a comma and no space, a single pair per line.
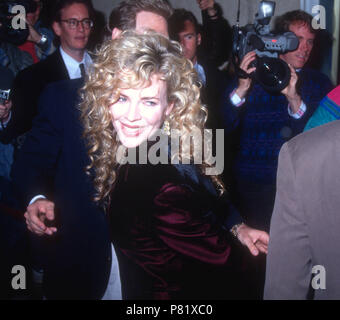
316,75
69,86
38,68
155,175
334,95
316,142
61,96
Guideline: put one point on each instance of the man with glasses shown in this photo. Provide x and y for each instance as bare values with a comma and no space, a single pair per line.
72,25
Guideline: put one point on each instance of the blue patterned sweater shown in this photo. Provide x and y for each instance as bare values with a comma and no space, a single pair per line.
265,125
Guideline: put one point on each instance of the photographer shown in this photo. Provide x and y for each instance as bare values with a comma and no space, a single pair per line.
6,149
264,121
72,24
39,43
11,56
19,48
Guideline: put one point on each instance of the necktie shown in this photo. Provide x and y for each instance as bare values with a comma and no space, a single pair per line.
82,70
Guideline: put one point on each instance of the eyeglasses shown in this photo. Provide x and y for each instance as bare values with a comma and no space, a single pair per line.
74,23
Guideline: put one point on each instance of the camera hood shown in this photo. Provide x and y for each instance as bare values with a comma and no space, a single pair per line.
273,74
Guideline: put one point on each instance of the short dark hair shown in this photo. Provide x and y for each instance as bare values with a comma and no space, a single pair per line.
62,4
177,20
282,23
123,17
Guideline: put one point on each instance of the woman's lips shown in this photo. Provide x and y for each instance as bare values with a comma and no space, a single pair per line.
131,131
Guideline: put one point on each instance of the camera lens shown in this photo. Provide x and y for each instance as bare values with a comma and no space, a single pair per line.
272,73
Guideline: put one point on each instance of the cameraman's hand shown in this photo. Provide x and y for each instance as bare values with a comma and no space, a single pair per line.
5,110
36,214
244,84
290,91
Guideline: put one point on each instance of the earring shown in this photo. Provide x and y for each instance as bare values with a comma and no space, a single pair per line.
166,128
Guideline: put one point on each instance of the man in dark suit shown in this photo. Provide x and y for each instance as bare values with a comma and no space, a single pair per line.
76,257
203,51
304,257
72,24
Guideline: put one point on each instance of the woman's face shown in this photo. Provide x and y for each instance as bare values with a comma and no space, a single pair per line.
138,113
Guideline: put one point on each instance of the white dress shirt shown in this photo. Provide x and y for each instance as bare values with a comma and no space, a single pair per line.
72,65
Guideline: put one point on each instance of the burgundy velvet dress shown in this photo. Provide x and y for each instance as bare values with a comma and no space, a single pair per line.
169,244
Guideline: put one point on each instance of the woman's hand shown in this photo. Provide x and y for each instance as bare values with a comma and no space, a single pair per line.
255,240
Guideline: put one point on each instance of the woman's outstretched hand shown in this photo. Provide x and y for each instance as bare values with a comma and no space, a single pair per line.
255,240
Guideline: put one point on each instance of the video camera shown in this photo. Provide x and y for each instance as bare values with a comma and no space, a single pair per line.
7,32
4,95
271,72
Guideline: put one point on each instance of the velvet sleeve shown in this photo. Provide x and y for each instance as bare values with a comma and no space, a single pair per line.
180,225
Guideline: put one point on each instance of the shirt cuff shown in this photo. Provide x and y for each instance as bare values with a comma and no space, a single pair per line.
37,198
299,113
236,100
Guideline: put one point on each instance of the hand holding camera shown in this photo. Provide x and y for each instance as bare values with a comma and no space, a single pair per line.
271,71
244,83
290,91
16,36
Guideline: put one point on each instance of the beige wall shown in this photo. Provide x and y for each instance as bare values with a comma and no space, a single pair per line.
248,8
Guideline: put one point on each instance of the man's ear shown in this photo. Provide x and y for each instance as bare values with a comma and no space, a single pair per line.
199,39
56,28
116,33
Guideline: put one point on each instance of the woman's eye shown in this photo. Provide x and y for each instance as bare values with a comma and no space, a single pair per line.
150,103
121,99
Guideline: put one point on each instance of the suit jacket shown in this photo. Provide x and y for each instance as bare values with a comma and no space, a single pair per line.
26,90
76,260
212,92
165,234
306,221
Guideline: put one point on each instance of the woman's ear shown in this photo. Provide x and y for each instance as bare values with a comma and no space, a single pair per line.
169,108
116,33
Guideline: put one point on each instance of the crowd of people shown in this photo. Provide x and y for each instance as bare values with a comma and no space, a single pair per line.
107,189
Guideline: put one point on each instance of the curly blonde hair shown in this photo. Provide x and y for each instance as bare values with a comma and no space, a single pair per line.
129,62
